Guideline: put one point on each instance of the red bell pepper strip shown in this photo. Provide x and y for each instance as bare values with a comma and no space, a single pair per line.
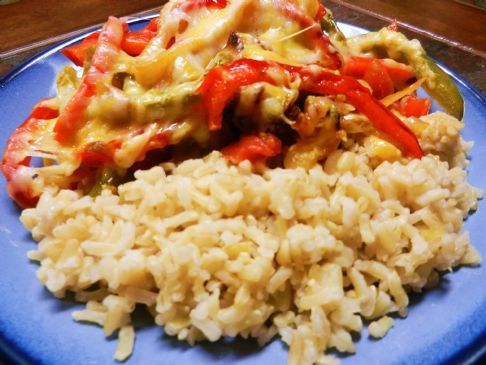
385,122
411,106
224,82
109,43
254,148
73,114
98,154
380,81
393,26
314,33
157,142
399,73
321,12
77,53
15,156
153,25
190,5
134,42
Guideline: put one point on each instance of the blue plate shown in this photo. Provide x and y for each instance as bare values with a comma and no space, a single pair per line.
446,325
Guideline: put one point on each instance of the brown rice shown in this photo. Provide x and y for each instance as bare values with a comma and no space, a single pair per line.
217,250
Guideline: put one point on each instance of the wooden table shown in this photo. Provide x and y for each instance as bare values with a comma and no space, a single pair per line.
451,31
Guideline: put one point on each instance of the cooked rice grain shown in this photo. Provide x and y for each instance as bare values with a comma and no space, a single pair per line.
380,328
217,250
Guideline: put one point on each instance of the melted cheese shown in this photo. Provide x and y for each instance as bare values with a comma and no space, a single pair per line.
160,80
204,38
158,91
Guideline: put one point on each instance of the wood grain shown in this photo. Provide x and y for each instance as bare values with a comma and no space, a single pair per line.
30,21
36,22
457,24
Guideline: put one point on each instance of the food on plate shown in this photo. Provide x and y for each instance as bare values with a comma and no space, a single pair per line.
241,168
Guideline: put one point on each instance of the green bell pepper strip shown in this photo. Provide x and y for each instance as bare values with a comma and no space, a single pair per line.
329,25
395,45
444,91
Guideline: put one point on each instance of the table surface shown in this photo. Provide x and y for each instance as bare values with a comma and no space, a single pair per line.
454,36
